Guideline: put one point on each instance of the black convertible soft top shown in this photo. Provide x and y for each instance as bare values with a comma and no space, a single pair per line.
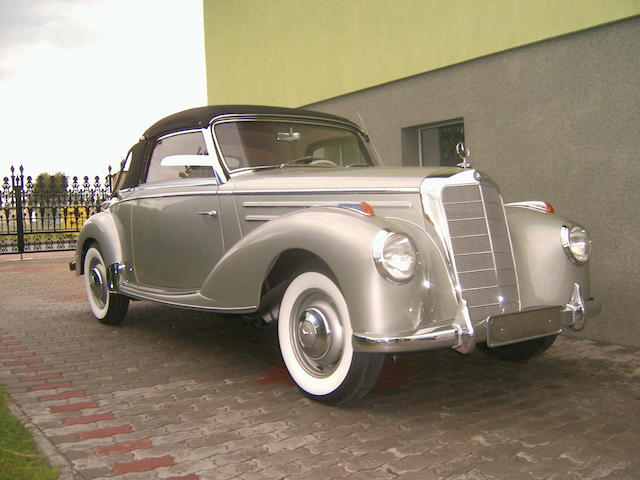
201,116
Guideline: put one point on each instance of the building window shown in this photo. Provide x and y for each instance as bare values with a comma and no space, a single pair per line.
433,144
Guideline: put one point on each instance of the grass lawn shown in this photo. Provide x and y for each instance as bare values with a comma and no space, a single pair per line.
19,460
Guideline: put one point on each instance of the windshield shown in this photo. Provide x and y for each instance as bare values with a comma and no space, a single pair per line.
263,144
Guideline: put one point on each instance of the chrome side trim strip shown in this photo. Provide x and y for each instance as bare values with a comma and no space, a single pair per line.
175,194
326,190
178,132
260,218
465,219
128,291
381,204
174,184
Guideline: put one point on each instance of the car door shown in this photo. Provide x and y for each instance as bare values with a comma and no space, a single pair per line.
176,235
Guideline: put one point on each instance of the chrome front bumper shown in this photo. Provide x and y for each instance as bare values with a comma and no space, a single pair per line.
460,334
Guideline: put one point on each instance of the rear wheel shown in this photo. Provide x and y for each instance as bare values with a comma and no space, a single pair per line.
519,352
109,308
314,330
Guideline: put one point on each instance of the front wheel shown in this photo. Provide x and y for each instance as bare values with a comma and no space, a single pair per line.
109,308
314,330
520,352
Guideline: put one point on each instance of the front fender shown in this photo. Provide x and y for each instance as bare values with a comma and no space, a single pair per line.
100,228
545,274
343,240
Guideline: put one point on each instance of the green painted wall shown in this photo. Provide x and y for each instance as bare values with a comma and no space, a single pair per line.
296,52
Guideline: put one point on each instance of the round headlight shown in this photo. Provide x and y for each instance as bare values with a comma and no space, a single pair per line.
395,256
576,243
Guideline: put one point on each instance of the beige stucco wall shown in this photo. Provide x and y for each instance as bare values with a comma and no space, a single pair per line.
293,52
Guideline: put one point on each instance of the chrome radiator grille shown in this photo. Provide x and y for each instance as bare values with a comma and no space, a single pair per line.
481,250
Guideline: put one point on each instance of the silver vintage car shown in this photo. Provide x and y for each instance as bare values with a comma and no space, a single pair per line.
287,216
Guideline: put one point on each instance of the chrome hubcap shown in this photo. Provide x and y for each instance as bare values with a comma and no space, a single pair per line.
314,333
317,334
98,286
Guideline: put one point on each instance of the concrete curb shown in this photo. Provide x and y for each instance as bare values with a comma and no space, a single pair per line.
44,446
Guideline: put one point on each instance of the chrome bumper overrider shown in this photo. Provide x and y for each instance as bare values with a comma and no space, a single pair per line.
460,334
578,309
113,277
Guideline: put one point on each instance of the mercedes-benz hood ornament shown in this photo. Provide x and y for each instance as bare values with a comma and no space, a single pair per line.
463,152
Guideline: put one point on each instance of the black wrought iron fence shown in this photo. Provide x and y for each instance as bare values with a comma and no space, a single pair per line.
47,216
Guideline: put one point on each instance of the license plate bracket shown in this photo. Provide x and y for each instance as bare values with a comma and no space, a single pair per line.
525,325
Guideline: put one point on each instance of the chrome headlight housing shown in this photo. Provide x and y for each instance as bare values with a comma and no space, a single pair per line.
395,256
576,243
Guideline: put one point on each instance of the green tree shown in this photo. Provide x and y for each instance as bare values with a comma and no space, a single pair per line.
49,189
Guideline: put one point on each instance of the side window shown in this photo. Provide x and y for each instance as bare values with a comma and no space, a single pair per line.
179,156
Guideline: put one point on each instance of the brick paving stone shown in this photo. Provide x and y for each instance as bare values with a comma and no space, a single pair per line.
74,407
281,458
44,376
61,396
324,460
413,463
86,419
124,447
187,386
367,461
103,432
228,471
144,465
375,474
322,473
274,472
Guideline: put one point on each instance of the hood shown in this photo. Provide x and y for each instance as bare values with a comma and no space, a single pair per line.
317,178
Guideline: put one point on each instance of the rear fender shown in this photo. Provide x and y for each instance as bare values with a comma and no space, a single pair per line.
100,228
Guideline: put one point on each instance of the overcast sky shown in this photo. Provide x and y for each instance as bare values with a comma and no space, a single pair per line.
80,80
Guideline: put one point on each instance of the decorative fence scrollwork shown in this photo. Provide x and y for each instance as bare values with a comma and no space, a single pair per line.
39,217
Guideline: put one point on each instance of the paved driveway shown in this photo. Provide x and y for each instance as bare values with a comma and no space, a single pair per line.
185,395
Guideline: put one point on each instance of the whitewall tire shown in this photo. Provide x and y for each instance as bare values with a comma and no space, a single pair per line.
314,331
107,307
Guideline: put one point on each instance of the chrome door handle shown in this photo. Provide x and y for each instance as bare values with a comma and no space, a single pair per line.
210,213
